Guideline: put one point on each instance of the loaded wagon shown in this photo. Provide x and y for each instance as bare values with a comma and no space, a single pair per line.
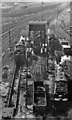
39,98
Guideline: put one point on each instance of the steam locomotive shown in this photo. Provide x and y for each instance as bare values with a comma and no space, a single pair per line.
19,53
23,53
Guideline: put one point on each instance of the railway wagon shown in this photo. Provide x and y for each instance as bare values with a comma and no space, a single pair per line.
60,91
51,66
61,99
67,49
67,67
68,74
39,98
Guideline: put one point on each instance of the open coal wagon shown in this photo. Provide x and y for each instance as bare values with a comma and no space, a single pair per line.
39,98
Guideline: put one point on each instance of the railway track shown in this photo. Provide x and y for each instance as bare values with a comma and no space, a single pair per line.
62,31
16,99
22,24
17,95
28,14
14,93
59,35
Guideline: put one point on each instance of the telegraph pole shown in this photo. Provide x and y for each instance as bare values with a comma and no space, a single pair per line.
9,41
48,44
71,24
26,87
47,52
57,13
26,79
42,10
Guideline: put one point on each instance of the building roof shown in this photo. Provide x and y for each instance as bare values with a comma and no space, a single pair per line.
37,22
66,46
37,25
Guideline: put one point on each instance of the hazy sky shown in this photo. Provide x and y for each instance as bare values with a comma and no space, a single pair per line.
35,0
